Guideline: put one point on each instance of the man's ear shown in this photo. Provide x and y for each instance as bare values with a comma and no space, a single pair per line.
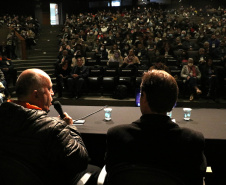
35,94
143,94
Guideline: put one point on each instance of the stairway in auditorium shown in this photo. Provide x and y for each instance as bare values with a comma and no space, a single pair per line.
44,54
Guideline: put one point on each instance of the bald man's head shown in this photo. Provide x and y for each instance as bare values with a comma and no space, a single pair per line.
30,80
34,86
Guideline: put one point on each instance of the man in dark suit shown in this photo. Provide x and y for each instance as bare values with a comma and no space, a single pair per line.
155,140
77,78
7,67
64,55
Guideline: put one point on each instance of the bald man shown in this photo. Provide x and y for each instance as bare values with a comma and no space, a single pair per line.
51,148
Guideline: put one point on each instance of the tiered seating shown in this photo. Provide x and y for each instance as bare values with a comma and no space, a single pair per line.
105,80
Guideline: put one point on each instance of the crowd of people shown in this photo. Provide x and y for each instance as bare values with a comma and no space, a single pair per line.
28,28
25,26
137,37
52,149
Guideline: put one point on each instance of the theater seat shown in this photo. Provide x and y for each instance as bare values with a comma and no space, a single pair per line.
14,172
126,77
138,81
144,175
192,54
90,54
95,78
139,74
138,175
110,80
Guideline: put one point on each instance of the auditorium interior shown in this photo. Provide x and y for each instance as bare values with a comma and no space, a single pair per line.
42,51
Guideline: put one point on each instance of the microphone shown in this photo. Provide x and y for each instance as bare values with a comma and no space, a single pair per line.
59,109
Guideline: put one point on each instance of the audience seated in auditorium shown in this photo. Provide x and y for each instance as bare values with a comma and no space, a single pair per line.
201,38
220,52
91,37
187,44
125,50
3,87
177,44
201,58
30,38
154,140
214,43
11,44
77,54
7,67
78,78
62,73
206,46
159,65
116,58
106,41
151,49
96,45
182,57
4,50
135,26
128,40
166,50
2,95
112,50
118,40
141,52
82,48
191,74
101,53
27,27
64,55
210,79
131,60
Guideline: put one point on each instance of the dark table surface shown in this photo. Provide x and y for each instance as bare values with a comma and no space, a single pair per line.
211,122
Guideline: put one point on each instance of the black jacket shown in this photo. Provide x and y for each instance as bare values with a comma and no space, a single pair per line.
156,141
51,148
82,72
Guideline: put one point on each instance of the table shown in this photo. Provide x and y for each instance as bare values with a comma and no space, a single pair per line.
211,122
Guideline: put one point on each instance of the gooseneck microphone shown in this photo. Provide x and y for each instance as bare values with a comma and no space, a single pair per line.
58,107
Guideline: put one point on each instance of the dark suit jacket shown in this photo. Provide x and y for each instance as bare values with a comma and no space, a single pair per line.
83,71
156,141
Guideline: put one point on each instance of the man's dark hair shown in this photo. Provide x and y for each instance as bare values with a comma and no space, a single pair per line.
161,90
159,59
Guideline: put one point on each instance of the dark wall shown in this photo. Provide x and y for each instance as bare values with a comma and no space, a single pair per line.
199,3
75,7
17,7
25,7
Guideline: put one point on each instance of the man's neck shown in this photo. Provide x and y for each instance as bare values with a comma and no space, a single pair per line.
25,104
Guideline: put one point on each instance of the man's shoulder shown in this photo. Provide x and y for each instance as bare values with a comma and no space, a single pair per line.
85,67
191,135
123,127
31,114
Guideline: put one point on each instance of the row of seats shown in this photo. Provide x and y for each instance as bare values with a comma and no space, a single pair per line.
106,79
91,58
130,174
